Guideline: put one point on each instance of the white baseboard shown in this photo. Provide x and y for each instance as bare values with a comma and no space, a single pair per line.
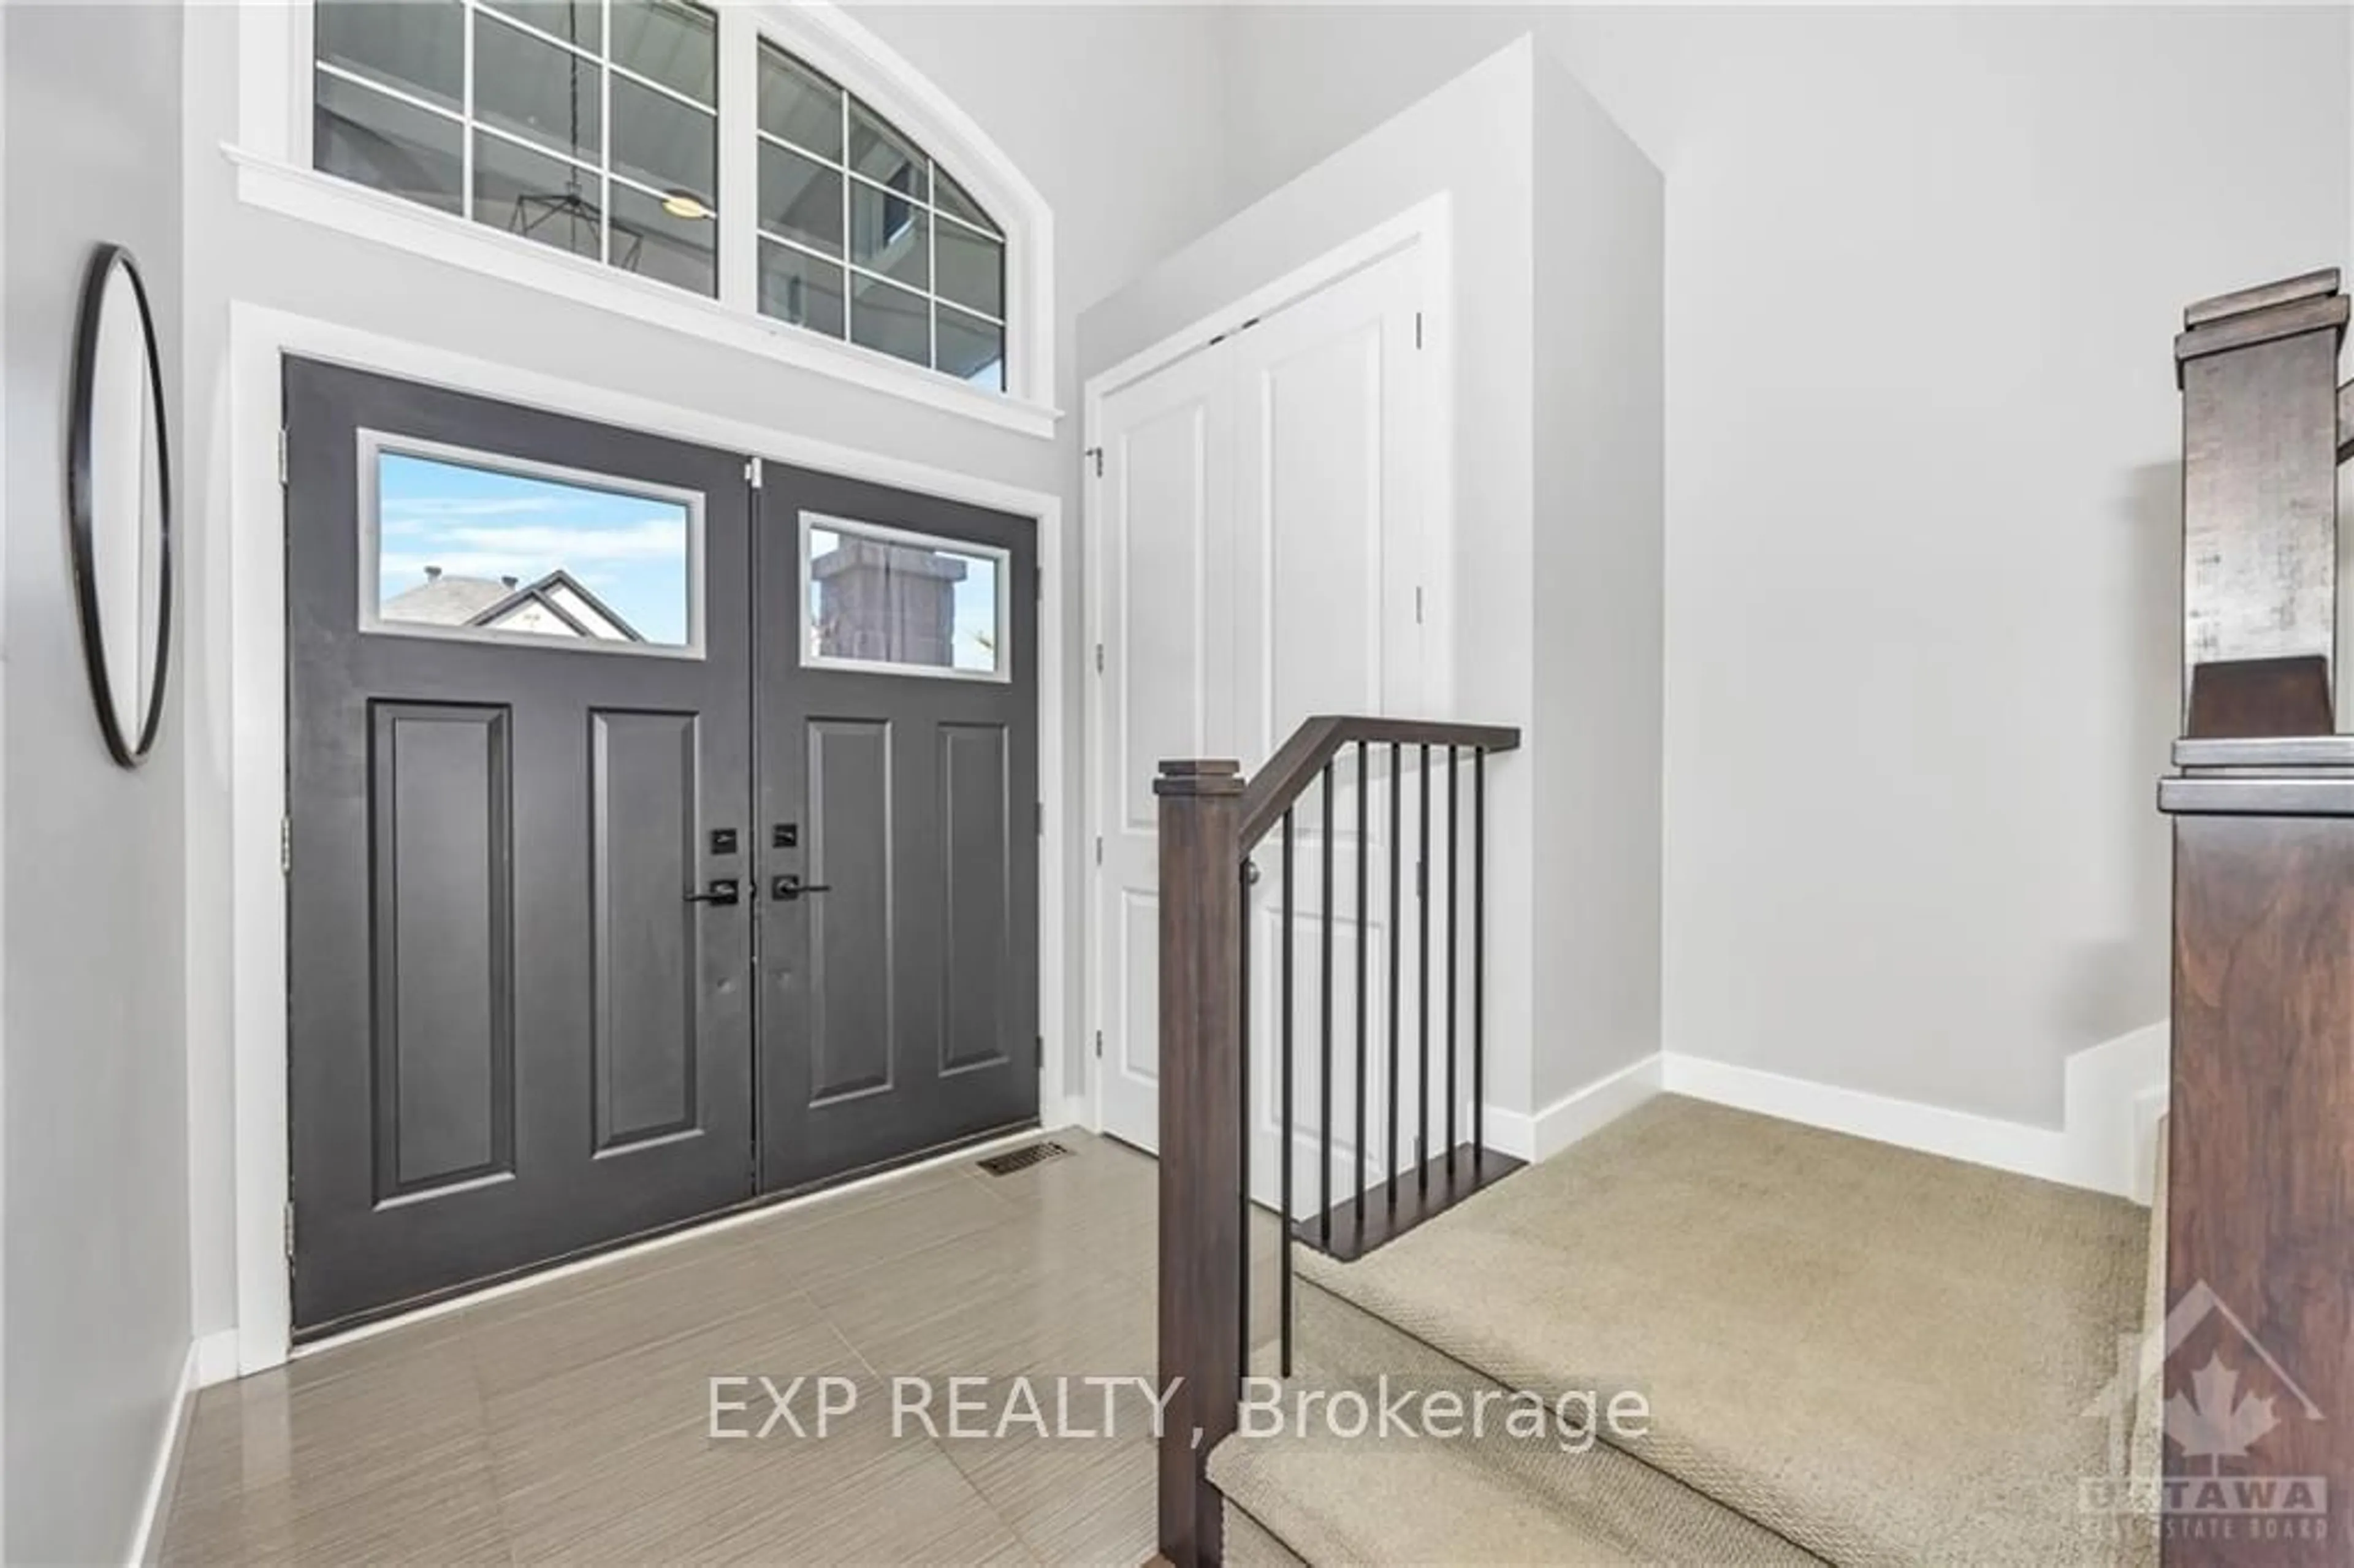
147,1535
1574,1115
2114,1094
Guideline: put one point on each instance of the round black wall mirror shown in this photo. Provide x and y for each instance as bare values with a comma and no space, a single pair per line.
119,505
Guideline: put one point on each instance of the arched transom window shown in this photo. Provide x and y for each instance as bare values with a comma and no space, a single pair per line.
603,129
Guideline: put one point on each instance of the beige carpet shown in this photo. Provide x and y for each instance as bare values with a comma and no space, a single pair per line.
1493,1498
1882,1356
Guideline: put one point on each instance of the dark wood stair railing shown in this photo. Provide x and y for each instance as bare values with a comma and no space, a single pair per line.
1211,818
2261,1126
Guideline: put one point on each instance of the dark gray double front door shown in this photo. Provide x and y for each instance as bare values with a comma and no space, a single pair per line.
657,841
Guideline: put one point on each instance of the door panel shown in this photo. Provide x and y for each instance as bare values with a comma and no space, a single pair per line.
976,895
1168,446
439,786
898,747
1328,513
511,1036
1261,530
642,795
851,1027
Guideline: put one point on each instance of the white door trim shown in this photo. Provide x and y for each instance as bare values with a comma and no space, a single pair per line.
1428,227
255,522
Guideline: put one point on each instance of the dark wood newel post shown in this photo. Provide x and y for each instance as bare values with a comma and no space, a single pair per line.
1200,1139
2260,1219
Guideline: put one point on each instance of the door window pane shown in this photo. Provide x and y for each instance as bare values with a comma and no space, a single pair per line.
536,89
797,287
911,602
378,140
468,548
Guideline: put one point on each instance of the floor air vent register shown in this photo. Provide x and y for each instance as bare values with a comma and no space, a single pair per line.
1014,1160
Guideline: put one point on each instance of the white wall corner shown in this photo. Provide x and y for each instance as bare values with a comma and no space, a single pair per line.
1574,1115
147,1531
215,1357
2113,1096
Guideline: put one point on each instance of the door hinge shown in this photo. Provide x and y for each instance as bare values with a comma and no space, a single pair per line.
1417,329
1098,658
1038,583
289,1229
1042,818
1422,879
281,454
1099,1045
285,846
1098,849
1418,604
752,471
1095,455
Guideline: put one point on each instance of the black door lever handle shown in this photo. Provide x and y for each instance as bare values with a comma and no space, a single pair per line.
722,890
788,888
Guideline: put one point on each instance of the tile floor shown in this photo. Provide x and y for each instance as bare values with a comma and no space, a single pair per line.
572,1422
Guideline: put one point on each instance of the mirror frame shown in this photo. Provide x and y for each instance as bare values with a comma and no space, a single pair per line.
80,524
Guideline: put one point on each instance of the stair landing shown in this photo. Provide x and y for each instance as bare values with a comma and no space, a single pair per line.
1355,1226
1877,1355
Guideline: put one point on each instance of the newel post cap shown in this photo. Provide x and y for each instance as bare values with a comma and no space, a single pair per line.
2248,317
1199,776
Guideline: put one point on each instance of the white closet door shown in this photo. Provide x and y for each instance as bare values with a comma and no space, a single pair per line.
1330,451
1163,546
1259,553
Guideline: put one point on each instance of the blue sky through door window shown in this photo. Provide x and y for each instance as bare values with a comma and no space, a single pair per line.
475,547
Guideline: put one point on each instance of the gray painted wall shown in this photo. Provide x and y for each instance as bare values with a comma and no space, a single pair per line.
1101,109
1922,268
96,1223
1597,568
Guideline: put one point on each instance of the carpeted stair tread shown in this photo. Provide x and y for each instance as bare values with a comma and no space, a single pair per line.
1491,1498
1880,1355
1326,1499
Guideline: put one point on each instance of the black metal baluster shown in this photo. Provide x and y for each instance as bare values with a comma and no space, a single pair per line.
1357,1150
1244,873
1452,858
1397,785
1421,986
1478,955
1324,1074
1283,1271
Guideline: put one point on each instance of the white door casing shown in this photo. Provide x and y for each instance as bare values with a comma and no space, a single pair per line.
1264,554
